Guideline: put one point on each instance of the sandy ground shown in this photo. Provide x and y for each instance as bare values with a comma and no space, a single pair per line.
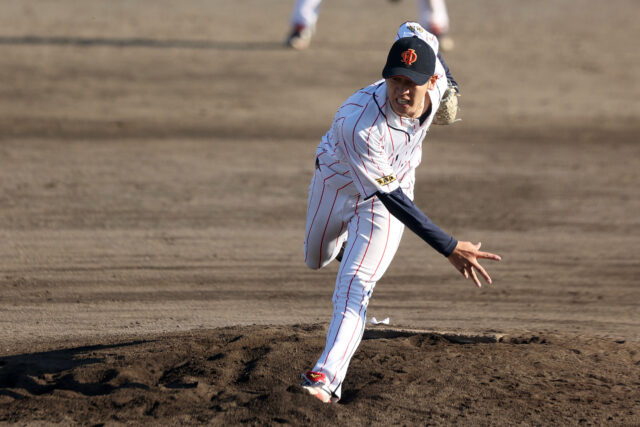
154,164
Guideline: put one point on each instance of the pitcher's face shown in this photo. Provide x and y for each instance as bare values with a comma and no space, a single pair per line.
407,99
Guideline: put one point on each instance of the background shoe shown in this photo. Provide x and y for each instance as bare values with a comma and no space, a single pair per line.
446,43
300,37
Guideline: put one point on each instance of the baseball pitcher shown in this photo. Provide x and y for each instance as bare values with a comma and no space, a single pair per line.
361,195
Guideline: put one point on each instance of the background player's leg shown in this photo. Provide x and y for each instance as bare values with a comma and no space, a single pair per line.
305,12
325,230
374,236
303,23
433,16
424,14
439,17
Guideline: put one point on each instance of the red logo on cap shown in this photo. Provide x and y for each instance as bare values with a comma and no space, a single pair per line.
409,56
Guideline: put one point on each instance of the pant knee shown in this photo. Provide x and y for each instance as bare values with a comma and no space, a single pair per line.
313,264
312,260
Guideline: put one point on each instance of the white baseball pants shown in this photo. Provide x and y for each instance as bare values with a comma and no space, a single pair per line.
335,214
433,16
305,12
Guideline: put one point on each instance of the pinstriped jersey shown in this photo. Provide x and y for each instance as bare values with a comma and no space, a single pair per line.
372,147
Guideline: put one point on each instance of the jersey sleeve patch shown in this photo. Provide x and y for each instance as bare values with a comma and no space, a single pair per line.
386,180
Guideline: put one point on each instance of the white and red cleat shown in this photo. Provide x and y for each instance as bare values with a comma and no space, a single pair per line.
300,37
315,383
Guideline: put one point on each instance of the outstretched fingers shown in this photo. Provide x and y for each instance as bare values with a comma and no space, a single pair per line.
475,277
482,271
488,255
469,271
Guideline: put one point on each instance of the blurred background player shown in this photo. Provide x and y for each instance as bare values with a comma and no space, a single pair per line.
432,14
303,23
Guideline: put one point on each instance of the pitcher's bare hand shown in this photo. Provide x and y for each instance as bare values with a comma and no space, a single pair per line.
465,259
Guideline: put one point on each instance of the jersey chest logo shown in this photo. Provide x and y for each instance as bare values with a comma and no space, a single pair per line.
409,56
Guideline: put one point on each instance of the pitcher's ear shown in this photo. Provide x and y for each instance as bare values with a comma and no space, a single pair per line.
431,83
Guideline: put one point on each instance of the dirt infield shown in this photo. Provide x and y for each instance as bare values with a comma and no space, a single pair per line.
154,164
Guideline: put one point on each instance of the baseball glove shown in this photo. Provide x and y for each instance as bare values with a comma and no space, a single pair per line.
448,109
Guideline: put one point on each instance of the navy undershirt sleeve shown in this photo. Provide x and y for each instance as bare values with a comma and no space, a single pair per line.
410,215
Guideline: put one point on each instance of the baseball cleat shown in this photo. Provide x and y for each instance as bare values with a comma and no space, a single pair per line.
300,37
315,383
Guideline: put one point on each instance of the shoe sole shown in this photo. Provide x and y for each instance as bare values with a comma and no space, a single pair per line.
299,44
318,394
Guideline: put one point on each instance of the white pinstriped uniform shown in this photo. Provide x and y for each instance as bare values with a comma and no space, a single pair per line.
367,149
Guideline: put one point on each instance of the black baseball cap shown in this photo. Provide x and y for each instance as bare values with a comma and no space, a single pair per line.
410,57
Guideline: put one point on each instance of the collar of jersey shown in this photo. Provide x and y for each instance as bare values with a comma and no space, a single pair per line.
394,121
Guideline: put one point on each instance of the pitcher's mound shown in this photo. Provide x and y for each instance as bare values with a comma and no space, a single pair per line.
398,376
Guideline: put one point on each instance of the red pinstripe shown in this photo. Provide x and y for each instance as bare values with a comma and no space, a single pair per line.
324,185
328,218
384,251
353,142
340,325
393,145
335,162
369,137
346,304
386,243
357,227
353,134
314,219
346,150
